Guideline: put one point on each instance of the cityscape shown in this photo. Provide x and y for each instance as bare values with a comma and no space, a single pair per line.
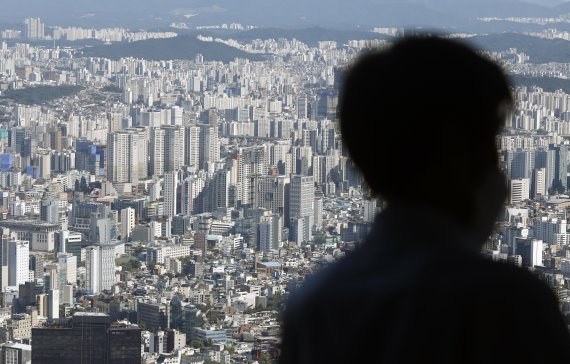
164,191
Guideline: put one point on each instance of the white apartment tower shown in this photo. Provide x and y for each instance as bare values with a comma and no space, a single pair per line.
169,190
18,262
156,152
520,190
127,155
192,145
35,29
551,231
173,148
100,268
127,222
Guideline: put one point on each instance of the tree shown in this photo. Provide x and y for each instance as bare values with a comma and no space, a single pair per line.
137,250
197,344
265,358
150,266
319,239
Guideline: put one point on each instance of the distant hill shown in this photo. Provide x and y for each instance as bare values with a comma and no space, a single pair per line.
181,47
539,50
310,36
39,94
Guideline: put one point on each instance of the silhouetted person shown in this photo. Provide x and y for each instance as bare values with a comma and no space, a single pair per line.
420,121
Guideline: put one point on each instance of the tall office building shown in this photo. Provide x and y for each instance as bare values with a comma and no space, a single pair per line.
90,157
269,230
271,192
49,209
302,107
34,29
108,269
538,186
520,163
87,338
170,193
92,269
18,259
519,189
99,268
556,168
127,222
53,304
127,154
530,250
301,215
68,263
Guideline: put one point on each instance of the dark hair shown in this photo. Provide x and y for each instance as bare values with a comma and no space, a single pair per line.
422,105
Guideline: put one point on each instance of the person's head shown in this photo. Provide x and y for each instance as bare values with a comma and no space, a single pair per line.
420,120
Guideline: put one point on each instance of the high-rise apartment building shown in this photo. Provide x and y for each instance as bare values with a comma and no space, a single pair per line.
170,193
209,145
173,148
301,215
551,231
34,29
127,154
519,190
156,152
251,161
192,145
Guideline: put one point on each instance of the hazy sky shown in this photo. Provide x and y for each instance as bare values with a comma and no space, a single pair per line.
546,2
282,13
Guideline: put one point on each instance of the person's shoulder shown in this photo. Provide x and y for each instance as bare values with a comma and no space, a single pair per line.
319,287
502,279
501,272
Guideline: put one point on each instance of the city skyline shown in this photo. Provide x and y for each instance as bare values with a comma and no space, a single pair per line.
175,203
